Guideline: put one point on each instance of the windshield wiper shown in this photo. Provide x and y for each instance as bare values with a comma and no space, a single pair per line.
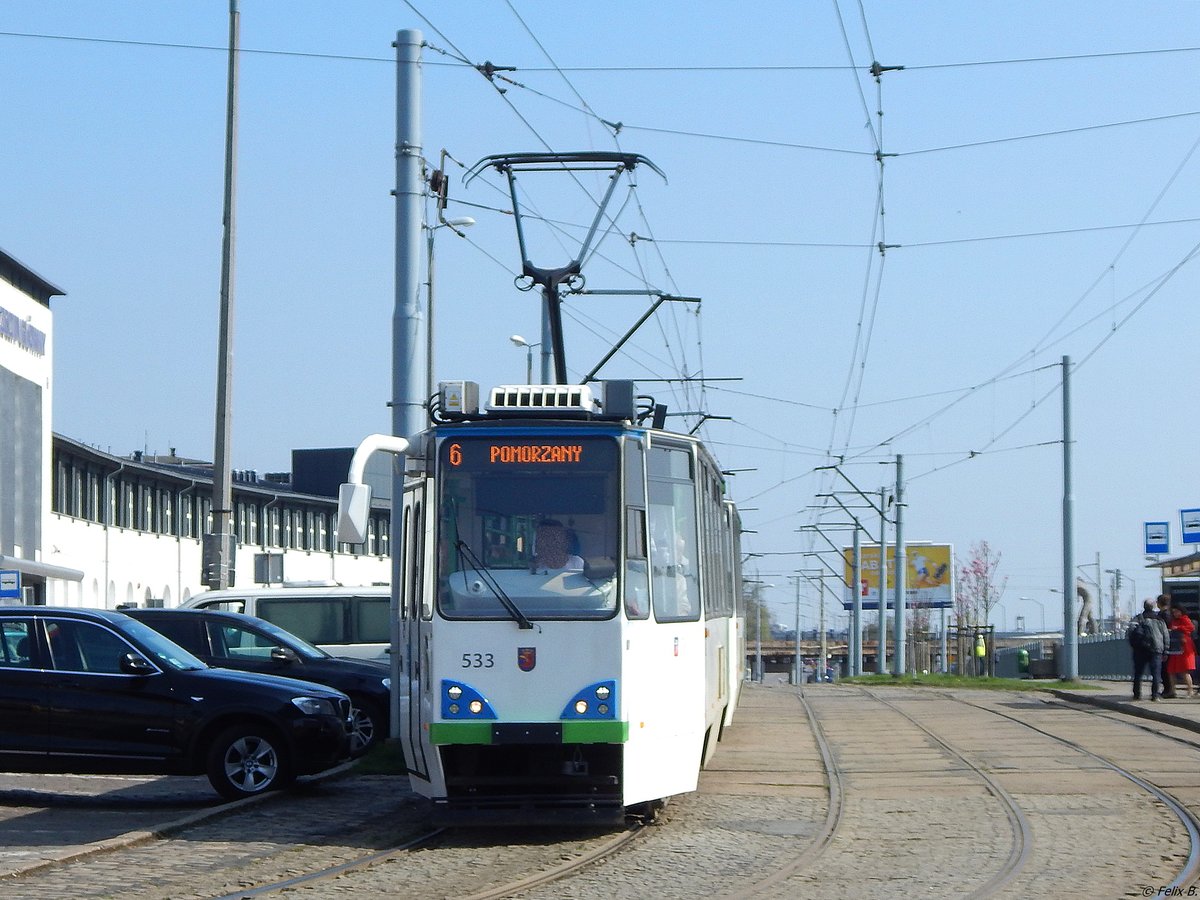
476,564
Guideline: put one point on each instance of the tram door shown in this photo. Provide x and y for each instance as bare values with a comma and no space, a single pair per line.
415,621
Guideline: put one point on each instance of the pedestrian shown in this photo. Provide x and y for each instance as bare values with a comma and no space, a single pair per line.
1147,636
1181,652
1164,613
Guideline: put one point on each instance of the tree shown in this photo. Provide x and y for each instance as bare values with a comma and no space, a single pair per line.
756,607
978,589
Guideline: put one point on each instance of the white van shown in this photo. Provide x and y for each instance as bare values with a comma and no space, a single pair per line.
343,621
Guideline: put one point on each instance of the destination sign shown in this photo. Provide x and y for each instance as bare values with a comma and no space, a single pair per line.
535,453
524,454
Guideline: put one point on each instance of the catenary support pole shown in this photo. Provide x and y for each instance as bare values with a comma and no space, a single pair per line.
1070,661
797,669
881,653
218,550
856,654
899,601
407,364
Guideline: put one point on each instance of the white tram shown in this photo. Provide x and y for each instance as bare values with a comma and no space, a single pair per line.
571,624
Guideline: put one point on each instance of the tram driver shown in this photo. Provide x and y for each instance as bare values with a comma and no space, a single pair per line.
554,548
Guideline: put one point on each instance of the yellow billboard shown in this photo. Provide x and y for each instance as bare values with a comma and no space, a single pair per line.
928,579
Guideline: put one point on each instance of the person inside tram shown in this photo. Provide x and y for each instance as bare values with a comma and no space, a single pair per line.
554,548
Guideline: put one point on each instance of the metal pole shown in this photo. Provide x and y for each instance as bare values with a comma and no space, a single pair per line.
856,654
945,667
219,550
824,633
547,344
901,572
758,634
429,313
1070,661
407,405
796,667
881,657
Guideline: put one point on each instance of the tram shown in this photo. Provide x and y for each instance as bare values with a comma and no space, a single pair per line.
571,630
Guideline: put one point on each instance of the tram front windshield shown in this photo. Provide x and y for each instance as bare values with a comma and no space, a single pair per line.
528,527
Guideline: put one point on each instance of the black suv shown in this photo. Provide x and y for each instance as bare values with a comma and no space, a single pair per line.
93,691
236,641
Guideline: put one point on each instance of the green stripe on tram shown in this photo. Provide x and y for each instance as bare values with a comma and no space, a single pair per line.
576,732
595,732
460,732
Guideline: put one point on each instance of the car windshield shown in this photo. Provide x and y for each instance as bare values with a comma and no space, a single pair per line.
287,639
529,527
159,648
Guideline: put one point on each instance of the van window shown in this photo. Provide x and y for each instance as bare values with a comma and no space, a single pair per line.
370,619
317,620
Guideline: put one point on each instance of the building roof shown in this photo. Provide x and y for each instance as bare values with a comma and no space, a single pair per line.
25,279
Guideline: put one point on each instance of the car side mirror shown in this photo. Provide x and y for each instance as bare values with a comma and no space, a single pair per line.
136,664
284,654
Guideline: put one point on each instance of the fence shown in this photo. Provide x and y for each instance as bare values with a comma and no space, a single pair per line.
1102,656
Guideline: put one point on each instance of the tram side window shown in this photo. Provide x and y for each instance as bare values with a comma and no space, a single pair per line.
637,576
676,590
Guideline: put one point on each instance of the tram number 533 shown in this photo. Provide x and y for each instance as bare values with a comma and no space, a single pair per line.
478,661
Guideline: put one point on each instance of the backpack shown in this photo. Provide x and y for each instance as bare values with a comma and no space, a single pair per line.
1138,635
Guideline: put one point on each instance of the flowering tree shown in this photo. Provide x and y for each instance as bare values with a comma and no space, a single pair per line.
978,590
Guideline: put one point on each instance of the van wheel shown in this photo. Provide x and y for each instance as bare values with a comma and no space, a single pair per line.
366,728
247,760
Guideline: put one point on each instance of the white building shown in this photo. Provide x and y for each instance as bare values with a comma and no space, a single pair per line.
26,391
86,528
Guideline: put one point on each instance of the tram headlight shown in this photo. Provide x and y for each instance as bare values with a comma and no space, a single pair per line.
597,700
462,701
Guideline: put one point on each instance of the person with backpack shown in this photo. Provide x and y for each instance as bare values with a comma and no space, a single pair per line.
1164,614
1147,635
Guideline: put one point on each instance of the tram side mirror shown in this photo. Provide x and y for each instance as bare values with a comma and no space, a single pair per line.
354,506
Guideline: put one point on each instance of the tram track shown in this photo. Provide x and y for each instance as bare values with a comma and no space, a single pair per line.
835,809
1022,836
1189,872
435,840
836,812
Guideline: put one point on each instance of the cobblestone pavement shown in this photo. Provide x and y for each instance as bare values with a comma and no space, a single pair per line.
916,820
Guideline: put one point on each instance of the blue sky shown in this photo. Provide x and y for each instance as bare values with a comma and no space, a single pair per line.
1038,190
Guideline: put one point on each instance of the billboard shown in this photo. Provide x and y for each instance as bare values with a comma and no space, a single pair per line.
928,580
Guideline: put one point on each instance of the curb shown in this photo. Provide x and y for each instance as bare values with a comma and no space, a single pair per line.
1129,708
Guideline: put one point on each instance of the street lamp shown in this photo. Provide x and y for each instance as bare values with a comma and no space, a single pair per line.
521,342
454,225
1040,606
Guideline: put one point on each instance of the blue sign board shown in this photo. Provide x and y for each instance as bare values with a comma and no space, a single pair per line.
1158,538
1191,525
10,585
